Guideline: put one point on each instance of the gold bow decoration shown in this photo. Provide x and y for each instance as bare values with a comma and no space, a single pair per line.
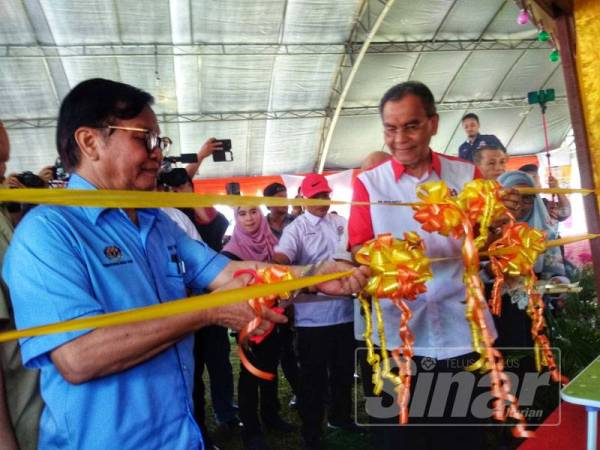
482,202
400,270
268,275
515,254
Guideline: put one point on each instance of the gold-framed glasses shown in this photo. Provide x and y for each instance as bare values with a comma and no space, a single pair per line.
153,140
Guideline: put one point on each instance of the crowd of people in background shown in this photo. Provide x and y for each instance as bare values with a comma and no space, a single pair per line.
103,388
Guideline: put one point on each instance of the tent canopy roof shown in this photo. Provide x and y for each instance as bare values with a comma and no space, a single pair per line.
266,73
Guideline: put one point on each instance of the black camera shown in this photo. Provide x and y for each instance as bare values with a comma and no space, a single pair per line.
171,176
225,154
30,180
186,158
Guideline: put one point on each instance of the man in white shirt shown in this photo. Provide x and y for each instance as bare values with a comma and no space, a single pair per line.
442,336
324,328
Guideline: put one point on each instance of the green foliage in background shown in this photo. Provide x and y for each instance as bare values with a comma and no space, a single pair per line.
575,329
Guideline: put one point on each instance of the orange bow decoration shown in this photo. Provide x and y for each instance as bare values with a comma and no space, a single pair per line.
268,275
515,254
480,201
439,211
400,270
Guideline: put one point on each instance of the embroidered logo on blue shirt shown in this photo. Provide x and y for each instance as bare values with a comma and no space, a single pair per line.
114,255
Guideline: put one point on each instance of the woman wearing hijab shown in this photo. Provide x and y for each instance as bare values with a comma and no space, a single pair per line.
533,211
252,239
514,324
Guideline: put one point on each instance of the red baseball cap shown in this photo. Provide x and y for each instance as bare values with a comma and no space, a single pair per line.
314,184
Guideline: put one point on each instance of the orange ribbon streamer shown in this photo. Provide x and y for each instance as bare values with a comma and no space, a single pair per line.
272,274
515,254
400,270
477,206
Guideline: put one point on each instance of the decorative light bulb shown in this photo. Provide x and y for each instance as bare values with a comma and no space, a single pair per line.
523,17
554,56
544,36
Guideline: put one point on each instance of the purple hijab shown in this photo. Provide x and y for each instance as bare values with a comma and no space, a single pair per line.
257,246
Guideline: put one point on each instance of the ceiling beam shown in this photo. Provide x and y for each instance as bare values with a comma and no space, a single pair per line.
41,29
355,62
50,122
233,49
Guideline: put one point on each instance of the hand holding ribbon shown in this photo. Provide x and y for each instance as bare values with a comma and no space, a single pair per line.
268,275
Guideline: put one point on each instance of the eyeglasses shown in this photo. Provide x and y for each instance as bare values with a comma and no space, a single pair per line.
410,128
153,140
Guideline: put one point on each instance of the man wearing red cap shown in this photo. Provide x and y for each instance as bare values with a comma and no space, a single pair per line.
324,328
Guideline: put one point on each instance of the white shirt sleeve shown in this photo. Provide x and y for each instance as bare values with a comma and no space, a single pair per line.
289,244
183,222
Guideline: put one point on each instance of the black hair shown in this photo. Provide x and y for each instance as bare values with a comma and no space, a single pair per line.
470,116
529,168
401,90
477,153
95,103
273,188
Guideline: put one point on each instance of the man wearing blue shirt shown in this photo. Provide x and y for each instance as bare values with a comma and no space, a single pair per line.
470,123
129,386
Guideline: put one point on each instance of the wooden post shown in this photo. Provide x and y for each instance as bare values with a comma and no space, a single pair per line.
566,41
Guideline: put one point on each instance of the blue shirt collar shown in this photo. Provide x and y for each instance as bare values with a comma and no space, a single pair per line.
76,181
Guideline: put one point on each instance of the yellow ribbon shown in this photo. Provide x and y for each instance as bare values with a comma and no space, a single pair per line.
400,270
142,199
172,308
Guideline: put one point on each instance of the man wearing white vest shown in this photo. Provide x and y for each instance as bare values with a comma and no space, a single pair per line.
442,335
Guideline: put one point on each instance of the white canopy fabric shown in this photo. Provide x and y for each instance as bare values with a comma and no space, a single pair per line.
263,73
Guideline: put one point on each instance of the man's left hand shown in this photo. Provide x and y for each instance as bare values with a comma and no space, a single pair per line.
208,148
352,284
